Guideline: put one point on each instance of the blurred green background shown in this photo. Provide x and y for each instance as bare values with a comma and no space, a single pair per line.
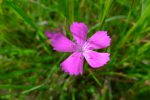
30,69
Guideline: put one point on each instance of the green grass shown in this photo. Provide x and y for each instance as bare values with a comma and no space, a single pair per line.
30,69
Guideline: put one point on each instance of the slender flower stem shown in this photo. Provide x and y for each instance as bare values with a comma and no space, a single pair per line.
71,11
94,77
105,13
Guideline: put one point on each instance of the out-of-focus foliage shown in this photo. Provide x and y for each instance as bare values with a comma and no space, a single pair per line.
29,68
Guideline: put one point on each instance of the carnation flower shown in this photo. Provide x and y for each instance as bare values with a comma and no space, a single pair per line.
81,49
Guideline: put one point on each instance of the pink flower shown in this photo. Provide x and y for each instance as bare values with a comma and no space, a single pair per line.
82,48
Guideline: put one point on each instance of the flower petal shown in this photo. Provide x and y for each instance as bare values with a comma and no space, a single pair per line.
60,42
73,64
96,59
79,31
99,40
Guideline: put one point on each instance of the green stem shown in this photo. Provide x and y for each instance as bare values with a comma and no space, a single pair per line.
71,11
107,6
94,77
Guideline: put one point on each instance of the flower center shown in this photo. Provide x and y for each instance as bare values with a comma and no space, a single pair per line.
82,47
